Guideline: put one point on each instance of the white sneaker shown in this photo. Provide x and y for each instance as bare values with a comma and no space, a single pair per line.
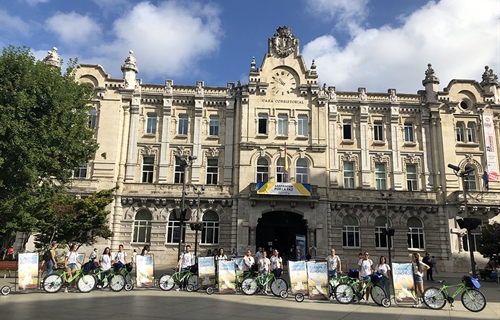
65,290
367,302
178,289
415,305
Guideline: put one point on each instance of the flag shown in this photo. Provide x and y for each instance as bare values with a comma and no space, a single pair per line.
485,178
286,160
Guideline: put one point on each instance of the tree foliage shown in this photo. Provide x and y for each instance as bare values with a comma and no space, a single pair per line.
44,134
489,246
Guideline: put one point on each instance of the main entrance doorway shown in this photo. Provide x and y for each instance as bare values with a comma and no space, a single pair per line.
278,229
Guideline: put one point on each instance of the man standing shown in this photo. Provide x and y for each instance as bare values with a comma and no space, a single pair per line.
427,261
334,265
258,255
185,262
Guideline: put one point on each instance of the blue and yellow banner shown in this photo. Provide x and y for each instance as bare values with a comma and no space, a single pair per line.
284,189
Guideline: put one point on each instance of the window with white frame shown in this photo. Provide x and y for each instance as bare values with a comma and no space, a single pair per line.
302,126
470,181
378,131
281,174
212,171
409,132
142,226
179,172
80,172
349,175
459,130
411,177
262,170
210,232
380,237
347,129
183,124
301,171
148,164
214,126
415,233
151,123
174,229
262,123
282,125
350,232
92,119
471,132
380,176
476,238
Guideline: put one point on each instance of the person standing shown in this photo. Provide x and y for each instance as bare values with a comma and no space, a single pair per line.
365,272
385,270
234,253
185,262
264,269
433,264
105,265
71,263
334,265
276,264
51,263
427,261
418,272
93,255
258,255
248,262
121,256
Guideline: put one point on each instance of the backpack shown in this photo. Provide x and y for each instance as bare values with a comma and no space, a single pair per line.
47,256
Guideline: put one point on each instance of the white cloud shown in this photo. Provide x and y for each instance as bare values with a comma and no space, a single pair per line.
459,37
13,24
73,29
167,39
35,2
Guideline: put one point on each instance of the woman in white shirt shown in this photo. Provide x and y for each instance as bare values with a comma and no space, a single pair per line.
105,264
72,263
418,271
385,270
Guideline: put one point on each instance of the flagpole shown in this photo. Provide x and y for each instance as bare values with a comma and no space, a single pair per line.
286,165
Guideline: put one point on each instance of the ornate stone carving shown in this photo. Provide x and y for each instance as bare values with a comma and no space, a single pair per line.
230,89
489,77
52,58
199,87
168,86
213,152
262,151
331,93
362,94
284,42
393,98
130,63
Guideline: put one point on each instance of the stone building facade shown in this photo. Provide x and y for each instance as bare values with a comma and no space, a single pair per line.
365,158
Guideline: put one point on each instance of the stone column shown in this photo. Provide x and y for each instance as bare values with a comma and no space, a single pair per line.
165,138
132,139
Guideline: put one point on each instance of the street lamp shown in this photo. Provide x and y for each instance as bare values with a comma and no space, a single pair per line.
197,226
467,223
386,196
183,163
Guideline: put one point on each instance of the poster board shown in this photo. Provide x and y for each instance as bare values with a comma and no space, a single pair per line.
298,276
206,272
300,246
227,276
404,288
317,280
238,268
81,257
27,266
145,271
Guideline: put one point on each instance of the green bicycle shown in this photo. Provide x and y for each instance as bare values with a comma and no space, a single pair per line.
334,282
116,282
54,282
346,292
472,299
168,281
251,285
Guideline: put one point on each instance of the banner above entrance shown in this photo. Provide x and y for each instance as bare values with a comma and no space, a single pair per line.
284,189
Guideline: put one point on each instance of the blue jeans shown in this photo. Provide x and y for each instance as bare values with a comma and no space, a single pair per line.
50,267
332,274
184,282
384,283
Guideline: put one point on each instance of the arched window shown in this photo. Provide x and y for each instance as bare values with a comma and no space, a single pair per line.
470,181
174,229
210,232
262,170
301,171
142,226
415,233
380,237
350,232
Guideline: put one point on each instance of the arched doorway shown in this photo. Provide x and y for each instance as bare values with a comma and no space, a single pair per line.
278,230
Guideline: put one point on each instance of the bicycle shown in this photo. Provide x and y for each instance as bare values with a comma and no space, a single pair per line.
167,281
346,292
472,299
116,282
124,270
54,282
251,285
334,282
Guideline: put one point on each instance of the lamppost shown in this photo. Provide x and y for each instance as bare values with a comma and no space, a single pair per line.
467,223
197,226
183,163
386,196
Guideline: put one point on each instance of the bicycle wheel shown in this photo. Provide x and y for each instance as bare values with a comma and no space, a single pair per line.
284,294
386,302
193,282
5,290
278,285
166,282
86,283
378,294
473,300
344,293
210,290
129,280
434,298
116,282
53,283
299,297
249,286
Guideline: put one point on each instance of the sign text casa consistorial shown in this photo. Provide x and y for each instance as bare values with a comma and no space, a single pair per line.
290,101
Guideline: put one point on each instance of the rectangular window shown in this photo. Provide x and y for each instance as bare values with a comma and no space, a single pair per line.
380,176
349,175
282,125
378,131
302,126
93,119
81,172
350,236
409,132
142,231
470,181
214,126
262,129
151,123
179,172
415,238
210,232
411,177
347,130
183,124
174,232
471,132
212,170
476,239
148,164
381,238
460,132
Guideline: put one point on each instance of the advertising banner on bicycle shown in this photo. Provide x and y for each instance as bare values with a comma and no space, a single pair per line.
206,272
227,277
145,271
27,271
404,288
238,267
298,276
317,282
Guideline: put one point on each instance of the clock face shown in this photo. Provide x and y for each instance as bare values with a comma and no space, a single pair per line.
283,82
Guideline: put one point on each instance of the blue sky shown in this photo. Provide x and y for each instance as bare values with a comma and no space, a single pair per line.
377,44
